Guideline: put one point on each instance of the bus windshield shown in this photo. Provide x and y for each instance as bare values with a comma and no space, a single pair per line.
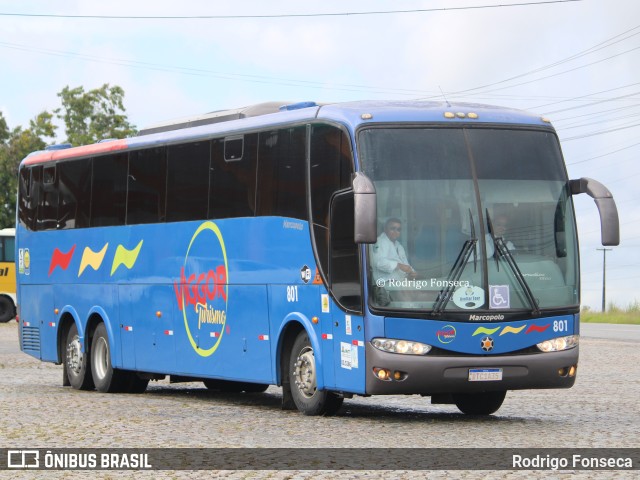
470,219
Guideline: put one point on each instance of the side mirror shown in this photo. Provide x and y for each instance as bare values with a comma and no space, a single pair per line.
609,223
365,209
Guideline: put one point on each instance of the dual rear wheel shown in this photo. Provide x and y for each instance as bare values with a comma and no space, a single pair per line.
86,371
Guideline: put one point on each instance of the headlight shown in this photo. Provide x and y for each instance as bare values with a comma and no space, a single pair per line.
559,344
404,347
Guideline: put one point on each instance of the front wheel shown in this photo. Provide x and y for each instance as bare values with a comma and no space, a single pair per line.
302,369
484,403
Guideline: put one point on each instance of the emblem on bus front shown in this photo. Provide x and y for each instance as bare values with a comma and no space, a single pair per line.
202,292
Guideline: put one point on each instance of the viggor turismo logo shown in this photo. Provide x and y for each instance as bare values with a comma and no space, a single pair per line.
202,292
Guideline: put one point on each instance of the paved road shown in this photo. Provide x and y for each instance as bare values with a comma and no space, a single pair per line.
627,333
601,410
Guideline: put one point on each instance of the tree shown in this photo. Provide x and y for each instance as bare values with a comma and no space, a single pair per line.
88,118
16,145
95,115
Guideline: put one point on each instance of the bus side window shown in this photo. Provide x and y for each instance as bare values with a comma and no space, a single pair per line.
74,183
109,190
233,181
48,205
188,181
331,169
27,204
281,170
147,186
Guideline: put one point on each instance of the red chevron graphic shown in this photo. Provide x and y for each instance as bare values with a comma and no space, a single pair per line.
536,328
59,259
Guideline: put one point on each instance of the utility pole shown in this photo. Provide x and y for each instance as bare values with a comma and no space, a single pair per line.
604,276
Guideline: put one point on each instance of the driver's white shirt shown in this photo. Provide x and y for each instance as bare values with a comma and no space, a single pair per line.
385,259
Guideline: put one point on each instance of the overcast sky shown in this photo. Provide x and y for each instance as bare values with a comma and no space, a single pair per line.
577,62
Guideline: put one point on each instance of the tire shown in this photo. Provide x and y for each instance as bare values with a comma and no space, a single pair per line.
302,371
77,365
484,403
7,309
236,387
106,378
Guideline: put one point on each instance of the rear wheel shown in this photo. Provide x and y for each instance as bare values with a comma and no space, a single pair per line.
7,309
484,403
106,378
303,374
77,362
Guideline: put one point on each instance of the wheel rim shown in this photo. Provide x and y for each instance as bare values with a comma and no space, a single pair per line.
100,357
74,356
304,372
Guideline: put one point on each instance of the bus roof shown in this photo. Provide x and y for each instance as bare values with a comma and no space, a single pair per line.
351,114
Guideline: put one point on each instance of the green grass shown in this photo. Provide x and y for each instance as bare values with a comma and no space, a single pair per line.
614,314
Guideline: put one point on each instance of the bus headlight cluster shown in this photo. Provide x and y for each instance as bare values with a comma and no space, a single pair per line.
559,344
404,347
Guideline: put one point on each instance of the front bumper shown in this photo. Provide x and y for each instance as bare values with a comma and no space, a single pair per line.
430,375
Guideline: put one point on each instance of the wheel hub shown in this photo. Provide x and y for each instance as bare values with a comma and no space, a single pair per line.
74,356
304,373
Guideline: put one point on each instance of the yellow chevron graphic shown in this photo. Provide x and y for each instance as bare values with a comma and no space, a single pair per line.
486,331
92,259
125,257
512,330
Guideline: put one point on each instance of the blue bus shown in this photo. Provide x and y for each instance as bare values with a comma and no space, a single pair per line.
364,248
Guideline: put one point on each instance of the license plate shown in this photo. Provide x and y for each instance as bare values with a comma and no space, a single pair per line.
485,374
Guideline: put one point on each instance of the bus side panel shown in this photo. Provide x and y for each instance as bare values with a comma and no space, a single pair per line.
38,323
300,304
147,317
233,346
348,351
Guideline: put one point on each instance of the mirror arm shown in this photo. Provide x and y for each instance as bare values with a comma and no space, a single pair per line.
609,222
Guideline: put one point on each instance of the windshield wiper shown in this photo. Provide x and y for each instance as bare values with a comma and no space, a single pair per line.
468,248
503,251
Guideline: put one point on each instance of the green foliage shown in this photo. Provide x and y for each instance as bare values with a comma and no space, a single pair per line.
95,115
88,118
614,314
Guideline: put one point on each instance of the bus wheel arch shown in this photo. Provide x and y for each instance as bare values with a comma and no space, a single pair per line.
303,373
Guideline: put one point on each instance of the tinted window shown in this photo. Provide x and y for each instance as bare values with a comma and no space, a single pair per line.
27,203
48,206
109,190
188,182
9,246
331,169
233,183
281,173
74,183
147,186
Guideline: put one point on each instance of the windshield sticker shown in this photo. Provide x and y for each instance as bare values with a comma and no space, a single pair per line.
498,296
468,297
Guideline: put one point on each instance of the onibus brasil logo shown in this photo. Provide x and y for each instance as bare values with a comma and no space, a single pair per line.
202,294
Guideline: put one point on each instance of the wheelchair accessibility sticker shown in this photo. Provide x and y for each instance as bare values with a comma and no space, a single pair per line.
498,296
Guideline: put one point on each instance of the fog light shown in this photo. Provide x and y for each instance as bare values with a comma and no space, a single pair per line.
573,370
382,373
563,371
